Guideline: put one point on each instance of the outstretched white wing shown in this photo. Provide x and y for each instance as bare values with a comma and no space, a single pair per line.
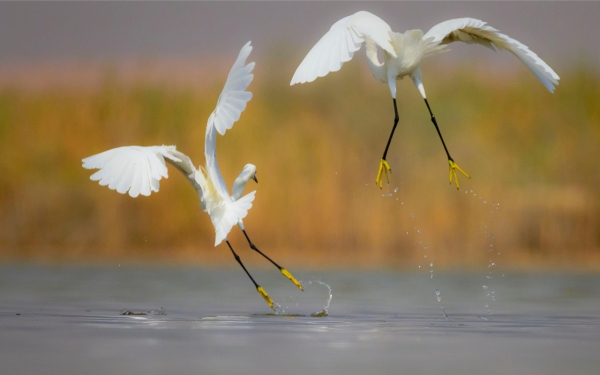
470,30
234,96
132,168
339,44
231,104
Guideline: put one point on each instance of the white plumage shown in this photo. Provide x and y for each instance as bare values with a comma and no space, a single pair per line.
139,169
402,54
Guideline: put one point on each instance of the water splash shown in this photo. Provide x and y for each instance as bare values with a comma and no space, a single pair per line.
439,299
492,255
281,310
325,311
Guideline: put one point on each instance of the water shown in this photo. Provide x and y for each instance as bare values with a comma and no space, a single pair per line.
67,320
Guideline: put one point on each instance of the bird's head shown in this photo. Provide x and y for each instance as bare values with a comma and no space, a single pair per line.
250,171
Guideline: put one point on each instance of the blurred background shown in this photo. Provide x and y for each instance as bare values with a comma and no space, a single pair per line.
77,79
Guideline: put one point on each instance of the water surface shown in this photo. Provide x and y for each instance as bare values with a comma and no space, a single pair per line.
67,320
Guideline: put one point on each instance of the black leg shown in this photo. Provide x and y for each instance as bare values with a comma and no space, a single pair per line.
284,271
258,251
259,288
438,130
396,118
242,264
452,164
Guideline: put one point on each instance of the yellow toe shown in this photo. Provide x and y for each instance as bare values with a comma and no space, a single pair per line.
264,295
287,274
384,168
453,168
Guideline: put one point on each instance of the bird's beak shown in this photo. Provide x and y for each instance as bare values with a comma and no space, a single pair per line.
255,179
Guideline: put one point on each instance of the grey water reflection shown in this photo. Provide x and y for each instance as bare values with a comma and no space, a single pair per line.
68,320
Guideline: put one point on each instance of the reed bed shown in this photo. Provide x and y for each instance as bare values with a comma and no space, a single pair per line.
533,158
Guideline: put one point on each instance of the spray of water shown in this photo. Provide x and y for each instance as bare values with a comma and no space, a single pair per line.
281,310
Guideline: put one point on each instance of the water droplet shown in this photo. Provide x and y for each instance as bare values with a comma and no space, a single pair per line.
424,256
395,190
402,202
431,264
484,202
425,247
437,292
485,287
396,198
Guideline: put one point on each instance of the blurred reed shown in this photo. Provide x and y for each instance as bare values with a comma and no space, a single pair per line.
533,158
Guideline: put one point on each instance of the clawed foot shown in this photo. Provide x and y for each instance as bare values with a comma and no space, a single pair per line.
384,167
453,168
287,274
264,295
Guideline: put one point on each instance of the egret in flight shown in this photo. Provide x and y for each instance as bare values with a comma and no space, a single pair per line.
402,54
139,169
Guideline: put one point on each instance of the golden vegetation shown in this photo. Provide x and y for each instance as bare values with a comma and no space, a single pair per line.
533,158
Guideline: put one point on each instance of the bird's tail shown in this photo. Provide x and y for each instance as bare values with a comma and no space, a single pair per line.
228,214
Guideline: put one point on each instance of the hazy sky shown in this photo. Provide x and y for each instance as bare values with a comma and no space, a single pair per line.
558,31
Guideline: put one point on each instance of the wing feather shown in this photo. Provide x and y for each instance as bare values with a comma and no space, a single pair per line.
234,96
231,104
338,45
131,168
473,31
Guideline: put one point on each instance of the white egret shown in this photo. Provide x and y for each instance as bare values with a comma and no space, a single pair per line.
139,169
402,54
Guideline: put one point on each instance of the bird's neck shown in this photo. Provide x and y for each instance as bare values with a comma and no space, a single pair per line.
240,184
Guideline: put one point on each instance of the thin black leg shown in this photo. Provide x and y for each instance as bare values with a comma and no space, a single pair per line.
438,130
396,118
242,264
258,251
283,271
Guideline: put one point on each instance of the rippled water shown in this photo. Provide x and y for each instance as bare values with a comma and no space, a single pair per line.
67,320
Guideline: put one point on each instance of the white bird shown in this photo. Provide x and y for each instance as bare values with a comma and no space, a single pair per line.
139,169
402,54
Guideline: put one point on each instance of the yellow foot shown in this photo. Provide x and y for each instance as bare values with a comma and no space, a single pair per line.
287,274
453,168
384,167
264,295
